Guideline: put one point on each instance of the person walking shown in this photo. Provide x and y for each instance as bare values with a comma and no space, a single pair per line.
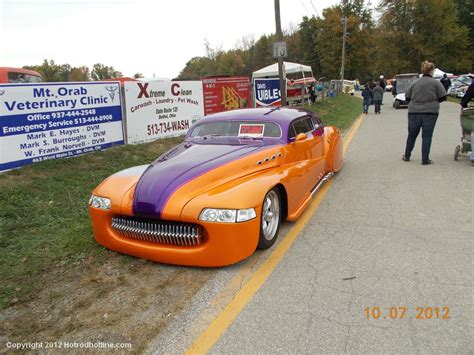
446,82
377,94
366,98
423,96
468,96
383,85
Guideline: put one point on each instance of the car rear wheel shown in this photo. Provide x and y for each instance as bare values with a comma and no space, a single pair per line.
270,219
396,104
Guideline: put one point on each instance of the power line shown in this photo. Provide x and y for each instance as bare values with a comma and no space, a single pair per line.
314,8
302,3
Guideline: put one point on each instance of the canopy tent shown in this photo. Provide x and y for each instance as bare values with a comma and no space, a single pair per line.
288,68
438,73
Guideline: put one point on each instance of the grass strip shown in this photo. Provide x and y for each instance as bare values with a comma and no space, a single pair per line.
339,111
44,220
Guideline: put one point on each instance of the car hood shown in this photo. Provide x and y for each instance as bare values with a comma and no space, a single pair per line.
188,162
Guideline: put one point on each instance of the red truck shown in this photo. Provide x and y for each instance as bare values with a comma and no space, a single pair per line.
19,75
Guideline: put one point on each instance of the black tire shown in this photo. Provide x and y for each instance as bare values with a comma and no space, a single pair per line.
396,104
456,152
270,224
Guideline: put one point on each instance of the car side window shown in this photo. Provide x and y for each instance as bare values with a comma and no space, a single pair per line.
317,122
300,125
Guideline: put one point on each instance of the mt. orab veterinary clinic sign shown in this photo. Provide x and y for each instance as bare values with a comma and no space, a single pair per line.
48,121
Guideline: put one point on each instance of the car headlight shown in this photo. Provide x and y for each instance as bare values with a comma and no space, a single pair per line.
227,215
100,202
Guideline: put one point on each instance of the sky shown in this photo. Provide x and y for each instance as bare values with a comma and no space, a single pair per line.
152,37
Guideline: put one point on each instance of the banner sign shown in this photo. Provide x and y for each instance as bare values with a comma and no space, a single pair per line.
161,109
224,94
267,92
48,121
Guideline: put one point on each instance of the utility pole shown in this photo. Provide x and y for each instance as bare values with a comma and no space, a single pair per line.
344,35
279,36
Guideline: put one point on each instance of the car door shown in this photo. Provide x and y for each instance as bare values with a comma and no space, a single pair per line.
304,159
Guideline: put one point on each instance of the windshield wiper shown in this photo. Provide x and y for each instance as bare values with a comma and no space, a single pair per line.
250,137
207,136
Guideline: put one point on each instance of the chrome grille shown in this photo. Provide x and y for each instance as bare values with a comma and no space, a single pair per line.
158,231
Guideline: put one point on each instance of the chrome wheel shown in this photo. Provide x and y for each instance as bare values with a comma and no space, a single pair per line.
270,215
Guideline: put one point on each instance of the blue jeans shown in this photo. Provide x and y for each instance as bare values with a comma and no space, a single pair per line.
365,106
426,122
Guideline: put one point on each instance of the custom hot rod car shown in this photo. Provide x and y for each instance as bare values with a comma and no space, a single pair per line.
222,193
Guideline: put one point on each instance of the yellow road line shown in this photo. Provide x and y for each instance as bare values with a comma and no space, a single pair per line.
353,130
220,324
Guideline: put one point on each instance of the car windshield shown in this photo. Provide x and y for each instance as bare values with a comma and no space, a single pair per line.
403,83
14,77
240,129
464,80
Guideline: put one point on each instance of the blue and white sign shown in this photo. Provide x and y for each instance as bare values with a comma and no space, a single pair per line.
49,121
267,92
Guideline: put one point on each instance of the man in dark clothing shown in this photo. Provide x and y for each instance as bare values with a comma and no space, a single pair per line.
371,84
312,93
377,94
446,82
469,95
383,84
367,97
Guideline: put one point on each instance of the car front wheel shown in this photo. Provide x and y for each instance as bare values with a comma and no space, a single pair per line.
270,219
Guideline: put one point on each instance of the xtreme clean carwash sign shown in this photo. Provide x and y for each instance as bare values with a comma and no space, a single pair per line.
48,121
161,109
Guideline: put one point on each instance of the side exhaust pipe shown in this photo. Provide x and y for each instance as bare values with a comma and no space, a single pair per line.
321,182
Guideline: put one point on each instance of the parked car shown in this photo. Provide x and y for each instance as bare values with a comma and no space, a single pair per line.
223,192
459,86
19,75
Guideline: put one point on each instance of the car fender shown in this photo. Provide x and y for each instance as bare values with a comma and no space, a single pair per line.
242,193
118,186
333,148
246,192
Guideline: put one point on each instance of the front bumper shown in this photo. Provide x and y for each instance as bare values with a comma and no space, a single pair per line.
223,243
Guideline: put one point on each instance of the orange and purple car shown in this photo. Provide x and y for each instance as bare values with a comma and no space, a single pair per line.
222,193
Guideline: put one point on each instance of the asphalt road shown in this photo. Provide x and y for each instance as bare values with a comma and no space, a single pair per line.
389,235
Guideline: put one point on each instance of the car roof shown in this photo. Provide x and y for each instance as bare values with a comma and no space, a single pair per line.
19,70
280,115
407,75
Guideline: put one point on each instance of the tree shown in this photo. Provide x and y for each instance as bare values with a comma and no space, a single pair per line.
101,72
138,75
196,68
465,14
229,63
425,29
307,44
329,39
79,74
52,72
406,33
